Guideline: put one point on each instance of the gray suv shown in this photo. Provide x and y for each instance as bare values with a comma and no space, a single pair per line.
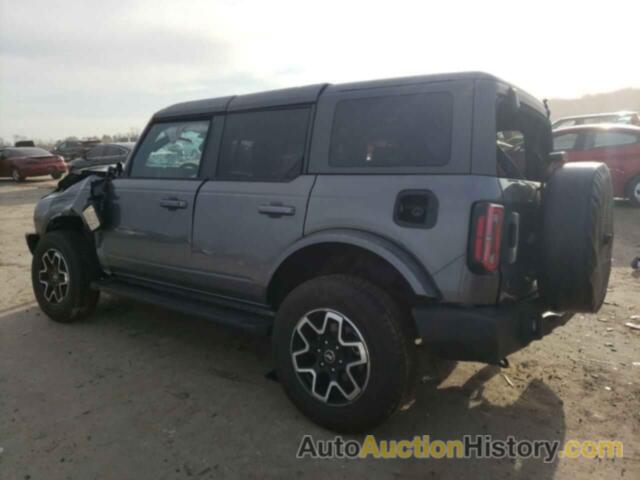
356,224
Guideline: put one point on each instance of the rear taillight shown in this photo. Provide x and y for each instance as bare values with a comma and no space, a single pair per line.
486,237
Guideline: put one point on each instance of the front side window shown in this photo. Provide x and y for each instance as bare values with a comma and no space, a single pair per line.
613,139
171,150
566,141
264,146
393,131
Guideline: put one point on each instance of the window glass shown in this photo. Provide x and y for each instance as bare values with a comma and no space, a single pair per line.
564,123
511,154
267,145
392,131
565,141
96,152
27,152
611,139
111,150
171,150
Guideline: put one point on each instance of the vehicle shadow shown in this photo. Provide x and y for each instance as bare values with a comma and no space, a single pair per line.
443,413
449,413
139,352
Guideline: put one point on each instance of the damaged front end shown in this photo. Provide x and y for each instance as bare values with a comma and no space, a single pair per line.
78,202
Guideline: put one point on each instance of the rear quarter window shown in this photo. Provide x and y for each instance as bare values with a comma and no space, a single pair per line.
613,139
412,130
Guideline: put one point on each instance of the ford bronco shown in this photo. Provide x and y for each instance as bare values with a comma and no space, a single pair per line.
355,224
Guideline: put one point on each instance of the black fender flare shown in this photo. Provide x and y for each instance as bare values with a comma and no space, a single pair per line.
410,268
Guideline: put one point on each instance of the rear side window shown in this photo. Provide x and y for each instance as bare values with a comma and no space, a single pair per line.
96,152
264,146
27,152
393,131
113,150
566,141
613,139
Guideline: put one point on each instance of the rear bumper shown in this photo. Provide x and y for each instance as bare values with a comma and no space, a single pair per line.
483,334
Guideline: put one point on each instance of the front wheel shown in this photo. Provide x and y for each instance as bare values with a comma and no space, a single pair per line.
344,352
633,191
17,176
62,269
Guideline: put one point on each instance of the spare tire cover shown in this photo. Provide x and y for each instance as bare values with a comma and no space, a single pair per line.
577,237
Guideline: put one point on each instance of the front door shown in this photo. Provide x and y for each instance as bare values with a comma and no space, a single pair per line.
149,215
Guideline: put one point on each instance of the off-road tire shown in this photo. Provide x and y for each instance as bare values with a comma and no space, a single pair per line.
386,332
577,238
82,264
633,191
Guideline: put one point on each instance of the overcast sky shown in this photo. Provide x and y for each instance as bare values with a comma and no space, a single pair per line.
86,67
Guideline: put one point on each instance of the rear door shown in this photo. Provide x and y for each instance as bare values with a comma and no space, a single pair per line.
618,149
255,208
110,156
148,232
95,154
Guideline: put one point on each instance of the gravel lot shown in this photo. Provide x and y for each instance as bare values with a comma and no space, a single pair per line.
137,392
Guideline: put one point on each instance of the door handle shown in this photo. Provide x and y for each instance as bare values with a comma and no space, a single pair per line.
274,210
173,203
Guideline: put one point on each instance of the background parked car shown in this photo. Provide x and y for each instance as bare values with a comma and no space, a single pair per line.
25,143
22,162
626,117
616,145
103,154
70,149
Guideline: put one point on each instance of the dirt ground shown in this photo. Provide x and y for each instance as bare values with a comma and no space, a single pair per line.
140,393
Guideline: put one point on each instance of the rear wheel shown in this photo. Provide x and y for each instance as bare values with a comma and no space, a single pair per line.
344,352
633,191
17,176
63,266
56,175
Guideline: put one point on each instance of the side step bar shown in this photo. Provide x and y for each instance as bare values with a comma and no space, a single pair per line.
253,322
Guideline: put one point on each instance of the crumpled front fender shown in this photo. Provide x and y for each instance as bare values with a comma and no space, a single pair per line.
68,203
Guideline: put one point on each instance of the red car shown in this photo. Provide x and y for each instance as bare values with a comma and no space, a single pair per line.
616,145
22,162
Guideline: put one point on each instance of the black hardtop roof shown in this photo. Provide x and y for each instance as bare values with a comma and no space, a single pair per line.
303,95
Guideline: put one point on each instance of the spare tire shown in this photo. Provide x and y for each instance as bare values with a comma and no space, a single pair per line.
577,238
